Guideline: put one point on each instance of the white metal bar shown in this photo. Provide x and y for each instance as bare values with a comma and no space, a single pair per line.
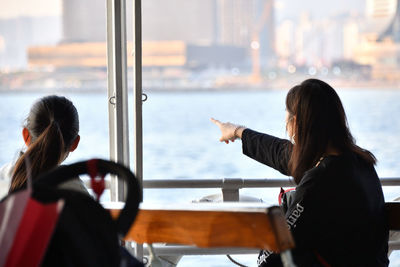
394,245
176,250
219,183
228,183
392,181
111,91
137,91
235,183
167,250
287,260
117,91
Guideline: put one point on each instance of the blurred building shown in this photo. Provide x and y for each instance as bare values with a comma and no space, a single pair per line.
380,8
379,14
222,22
17,34
366,44
246,22
94,55
189,21
317,43
222,30
380,47
83,21
285,45
156,54
393,29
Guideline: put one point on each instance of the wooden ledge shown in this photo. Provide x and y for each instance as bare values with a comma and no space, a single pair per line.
246,225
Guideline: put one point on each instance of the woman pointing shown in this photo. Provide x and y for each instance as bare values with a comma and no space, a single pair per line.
336,214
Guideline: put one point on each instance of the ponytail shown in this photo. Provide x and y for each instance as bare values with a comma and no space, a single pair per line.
45,153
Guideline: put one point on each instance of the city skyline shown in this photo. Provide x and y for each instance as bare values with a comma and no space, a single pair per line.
249,40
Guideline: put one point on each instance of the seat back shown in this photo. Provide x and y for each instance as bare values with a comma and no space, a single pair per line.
393,214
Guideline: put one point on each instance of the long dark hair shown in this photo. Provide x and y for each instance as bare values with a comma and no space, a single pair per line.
320,123
53,126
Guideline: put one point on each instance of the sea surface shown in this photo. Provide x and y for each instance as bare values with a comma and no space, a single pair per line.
181,142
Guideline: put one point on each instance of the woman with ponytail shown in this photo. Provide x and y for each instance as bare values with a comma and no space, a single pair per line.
50,134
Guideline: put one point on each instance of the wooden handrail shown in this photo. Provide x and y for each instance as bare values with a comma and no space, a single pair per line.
211,226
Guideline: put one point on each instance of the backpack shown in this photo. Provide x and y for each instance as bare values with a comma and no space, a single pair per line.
85,234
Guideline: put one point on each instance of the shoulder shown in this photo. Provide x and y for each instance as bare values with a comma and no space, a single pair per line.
5,178
6,171
321,174
334,164
347,164
339,172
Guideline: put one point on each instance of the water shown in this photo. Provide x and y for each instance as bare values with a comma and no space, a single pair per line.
181,142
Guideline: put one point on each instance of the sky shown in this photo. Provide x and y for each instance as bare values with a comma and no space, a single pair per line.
16,8
317,8
285,8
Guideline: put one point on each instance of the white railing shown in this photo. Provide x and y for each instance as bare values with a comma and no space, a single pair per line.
230,186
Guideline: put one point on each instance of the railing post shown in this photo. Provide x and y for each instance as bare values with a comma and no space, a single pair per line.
117,91
230,194
230,188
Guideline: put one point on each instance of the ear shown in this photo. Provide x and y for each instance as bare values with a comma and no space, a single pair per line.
26,136
75,144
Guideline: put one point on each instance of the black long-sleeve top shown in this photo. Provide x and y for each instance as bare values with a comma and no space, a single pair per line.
337,214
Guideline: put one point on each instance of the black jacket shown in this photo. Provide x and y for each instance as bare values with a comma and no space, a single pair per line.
337,212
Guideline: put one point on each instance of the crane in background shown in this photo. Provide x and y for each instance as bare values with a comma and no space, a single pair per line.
255,40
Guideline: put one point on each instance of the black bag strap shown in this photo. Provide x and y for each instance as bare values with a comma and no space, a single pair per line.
67,172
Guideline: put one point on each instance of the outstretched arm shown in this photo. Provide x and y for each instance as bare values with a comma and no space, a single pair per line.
264,148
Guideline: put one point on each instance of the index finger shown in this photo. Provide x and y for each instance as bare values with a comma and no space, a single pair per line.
217,122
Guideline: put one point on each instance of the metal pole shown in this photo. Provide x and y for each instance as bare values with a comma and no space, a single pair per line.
110,84
137,91
287,260
117,91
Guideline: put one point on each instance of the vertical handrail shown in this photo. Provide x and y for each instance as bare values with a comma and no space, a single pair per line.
117,91
110,88
137,91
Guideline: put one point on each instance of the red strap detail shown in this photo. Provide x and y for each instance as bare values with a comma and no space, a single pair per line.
97,182
322,260
283,191
98,186
280,196
92,168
